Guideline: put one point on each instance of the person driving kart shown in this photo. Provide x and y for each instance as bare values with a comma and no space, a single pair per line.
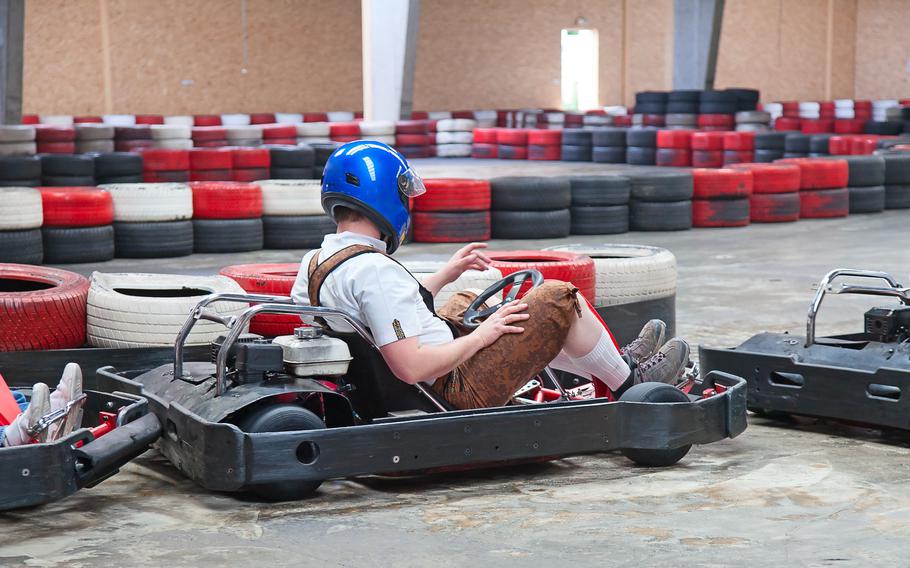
366,188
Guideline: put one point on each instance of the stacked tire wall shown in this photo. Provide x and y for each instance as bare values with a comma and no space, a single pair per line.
292,215
823,187
21,217
78,225
152,220
897,180
452,211
530,207
775,192
600,204
660,201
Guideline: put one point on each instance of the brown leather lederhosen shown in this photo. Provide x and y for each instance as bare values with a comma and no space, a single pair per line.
493,374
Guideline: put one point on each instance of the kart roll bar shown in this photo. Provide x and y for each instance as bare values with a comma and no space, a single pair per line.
894,290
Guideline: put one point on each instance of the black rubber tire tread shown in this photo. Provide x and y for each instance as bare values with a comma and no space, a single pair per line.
162,239
897,168
116,164
293,173
530,193
652,97
21,247
596,220
717,96
73,245
661,185
531,224
608,154
660,216
897,196
684,95
451,227
20,167
641,137
867,199
132,178
717,108
641,156
818,143
602,190
885,128
797,142
67,181
608,136
796,155
20,182
281,418
322,153
771,141
576,153
682,107
295,232
650,108
227,235
865,170
655,393
765,156
576,137
67,165
291,156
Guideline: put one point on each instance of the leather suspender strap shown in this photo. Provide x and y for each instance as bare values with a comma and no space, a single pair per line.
319,271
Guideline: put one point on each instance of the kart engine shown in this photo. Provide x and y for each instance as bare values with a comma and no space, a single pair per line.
888,325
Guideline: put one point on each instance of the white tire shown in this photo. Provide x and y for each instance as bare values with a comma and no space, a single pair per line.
377,128
94,131
314,140
17,148
119,119
439,115
752,127
486,123
234,133
313,130
453,150
291,197
596,120
454,137
17,133
174,144
456,125
144,202
628,274
180,120
56,119
390,140
124,310
476,279
169,132
340,116
288,117
235,120
485,115
753,116
20,208
86,146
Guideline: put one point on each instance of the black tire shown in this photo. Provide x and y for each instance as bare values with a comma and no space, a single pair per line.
133,178
797,142
868,199
531,224
576,137
655,393
283,418
608,137
818,143
21,247
20,167
594,220
67,181
530,193
153,240
661,185
723,97
684,96
771,141
451,227
67,165
650,108
35,182
897,168
176,176
887,128
115,164
76,245
608,154
227,235
322,153
888,143
576,153
897,196
295,232
765,156
796,155
660,216
651,97
291,156
865,170
600,190
717,108
639,156
682,107
293,173
641,137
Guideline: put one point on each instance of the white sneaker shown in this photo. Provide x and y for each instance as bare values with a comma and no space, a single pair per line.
68,389
17,433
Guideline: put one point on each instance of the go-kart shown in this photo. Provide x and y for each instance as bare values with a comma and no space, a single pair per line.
859,377
280,417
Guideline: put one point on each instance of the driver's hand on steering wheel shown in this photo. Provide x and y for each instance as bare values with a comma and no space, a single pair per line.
501,322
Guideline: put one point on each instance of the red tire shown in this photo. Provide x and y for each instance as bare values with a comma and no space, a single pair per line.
414,151
545,137
577,269
739,141
512,152
86,120
715,120
211,175
226,200
485,135
207,120
162,159
840,145
484,151
338,129
774,207
149,119
54,133
622,121
824,203
849,125
708,140
787,123
772,178
55,147
680,139
30,119
412,127
264,118
76,207
269,279
674,157
720,212
512,137
200,133
707,158
790,109
412,140
819,126
315,117
446,227
454,195
538,152
419,115
721,183
250,158
653,120
273,131
41,308
141,132
820,173
131,145
250,175
166,176
211,159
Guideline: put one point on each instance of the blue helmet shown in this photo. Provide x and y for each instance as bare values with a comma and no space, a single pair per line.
375,180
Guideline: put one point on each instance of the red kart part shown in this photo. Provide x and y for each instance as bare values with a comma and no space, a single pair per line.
226,200
250,175
820,173
708,140
720,212
162,159
412,127
545,137
211,159
707,158
512,137
484,151
739,141
721,183
76,206
485,135
576,269
824,203
450,194
269,279
512,152
774,207
250,158
448,227
673,157
681,139
200,133
207,120
41,308
149,119
9,408
54,133
772,178
542,152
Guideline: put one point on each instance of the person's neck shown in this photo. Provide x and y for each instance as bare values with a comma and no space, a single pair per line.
360,227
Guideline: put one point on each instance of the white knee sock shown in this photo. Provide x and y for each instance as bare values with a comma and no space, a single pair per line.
603,362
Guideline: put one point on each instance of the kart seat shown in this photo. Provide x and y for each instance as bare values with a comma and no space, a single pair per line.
377,391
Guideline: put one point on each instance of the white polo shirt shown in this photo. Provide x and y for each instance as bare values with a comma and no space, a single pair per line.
379,291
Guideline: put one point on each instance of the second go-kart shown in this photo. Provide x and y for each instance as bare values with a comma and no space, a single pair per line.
278,417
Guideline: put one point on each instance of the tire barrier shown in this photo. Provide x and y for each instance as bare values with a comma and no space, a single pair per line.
866,183
454,137
775,192
674,148
53,139
530,207
707,149
545,145
576,145
67,170
292,162
769,146
162,165
571,267
16,140
823,187
600,204
132,138
271,280
170,136
292,215
118,167
152,220
412,138
21,217
93,137
512,144
897,180
452,210
210,164
660,201
250,164
721,197
41,308
608,145
20,171
77,225
641,146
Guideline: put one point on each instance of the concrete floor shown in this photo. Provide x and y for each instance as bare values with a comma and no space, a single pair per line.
803,493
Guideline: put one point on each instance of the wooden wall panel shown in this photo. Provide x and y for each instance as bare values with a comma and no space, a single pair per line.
883,49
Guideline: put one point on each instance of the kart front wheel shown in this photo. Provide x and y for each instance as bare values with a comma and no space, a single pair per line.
281,418
655,393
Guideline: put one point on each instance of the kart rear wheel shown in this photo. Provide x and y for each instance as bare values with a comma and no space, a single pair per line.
655,392
281,418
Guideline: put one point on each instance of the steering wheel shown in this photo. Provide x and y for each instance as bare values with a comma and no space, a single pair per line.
474,314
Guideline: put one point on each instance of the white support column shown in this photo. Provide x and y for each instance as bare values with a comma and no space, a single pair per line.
389,41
